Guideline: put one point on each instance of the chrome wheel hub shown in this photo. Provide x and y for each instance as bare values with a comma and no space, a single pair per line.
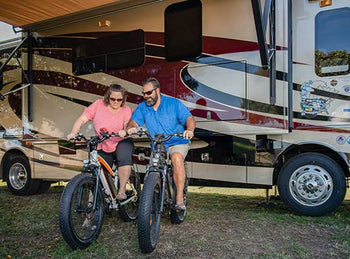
18,176
311,185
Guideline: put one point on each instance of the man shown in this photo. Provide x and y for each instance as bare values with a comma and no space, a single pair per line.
165,115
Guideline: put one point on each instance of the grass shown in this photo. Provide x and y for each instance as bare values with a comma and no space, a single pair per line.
221,222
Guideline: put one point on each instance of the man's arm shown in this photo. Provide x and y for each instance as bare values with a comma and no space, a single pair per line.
191,125
131,128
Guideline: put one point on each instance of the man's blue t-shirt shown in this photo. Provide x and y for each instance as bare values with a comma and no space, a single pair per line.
170,117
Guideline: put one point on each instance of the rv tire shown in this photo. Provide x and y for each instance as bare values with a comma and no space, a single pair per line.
19,177
311,184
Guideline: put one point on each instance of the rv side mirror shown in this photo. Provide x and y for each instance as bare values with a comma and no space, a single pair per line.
183,30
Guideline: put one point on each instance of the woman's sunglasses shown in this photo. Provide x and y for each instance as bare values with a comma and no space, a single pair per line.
149,92
115,99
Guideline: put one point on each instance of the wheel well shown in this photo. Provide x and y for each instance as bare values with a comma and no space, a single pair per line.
294,150
8,155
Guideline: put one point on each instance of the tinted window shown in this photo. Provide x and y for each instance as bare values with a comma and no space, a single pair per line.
183,30
332,42
118,51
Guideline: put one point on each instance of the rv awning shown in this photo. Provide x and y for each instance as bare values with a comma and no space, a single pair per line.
27,13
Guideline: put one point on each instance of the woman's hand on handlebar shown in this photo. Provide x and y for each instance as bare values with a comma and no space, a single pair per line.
188,134
76,137
122,133
71,136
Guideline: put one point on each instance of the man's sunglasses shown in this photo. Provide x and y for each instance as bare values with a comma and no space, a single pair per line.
149,92
115,99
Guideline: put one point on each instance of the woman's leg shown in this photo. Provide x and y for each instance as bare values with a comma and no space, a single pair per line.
124,152
124,174
108,157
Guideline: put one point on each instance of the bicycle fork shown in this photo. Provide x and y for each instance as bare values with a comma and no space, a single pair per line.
165,185
80,195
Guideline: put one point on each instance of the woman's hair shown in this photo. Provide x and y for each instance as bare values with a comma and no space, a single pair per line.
152,80
115,88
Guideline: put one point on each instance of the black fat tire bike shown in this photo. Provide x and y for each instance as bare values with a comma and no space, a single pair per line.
89,195
158,194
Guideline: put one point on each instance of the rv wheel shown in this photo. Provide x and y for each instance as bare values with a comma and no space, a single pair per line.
311,184
19,178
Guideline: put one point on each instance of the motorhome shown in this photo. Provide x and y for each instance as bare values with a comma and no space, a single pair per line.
268,83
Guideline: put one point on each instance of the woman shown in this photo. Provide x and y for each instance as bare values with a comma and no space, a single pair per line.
112,114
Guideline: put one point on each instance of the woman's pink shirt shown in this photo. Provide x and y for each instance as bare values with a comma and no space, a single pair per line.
101,117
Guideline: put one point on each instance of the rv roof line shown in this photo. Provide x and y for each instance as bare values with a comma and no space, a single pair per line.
10,40
74,18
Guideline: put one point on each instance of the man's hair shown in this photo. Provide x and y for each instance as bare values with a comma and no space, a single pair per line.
114,88
153,81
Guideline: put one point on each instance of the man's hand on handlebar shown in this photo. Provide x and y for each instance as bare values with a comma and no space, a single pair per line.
122,133
188,134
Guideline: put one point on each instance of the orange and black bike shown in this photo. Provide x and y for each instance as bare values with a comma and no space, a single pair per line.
90,194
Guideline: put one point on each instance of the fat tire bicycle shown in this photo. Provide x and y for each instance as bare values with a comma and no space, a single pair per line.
91,194
158,194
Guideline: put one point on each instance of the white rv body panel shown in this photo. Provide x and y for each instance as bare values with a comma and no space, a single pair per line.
242,137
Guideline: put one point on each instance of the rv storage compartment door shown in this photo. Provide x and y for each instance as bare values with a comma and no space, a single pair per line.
49,165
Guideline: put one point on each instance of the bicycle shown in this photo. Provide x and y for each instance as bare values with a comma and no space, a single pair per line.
90,194
158,194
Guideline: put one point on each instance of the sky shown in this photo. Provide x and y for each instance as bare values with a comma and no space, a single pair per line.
6,32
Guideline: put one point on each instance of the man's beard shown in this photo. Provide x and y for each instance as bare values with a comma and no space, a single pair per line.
152,101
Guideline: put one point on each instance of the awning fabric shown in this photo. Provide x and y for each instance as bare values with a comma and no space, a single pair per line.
23,13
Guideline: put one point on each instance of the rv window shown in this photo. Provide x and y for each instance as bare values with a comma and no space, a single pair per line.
332,47
183,30
118,51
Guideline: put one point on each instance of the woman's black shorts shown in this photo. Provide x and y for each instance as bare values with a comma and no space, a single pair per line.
122,155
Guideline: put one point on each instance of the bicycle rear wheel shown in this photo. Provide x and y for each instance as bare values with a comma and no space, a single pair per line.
80,225
128,212
149,213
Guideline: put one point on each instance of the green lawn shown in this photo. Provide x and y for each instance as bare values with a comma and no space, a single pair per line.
221,222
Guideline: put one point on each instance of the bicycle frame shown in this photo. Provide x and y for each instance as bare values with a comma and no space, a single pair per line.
95,164
158,163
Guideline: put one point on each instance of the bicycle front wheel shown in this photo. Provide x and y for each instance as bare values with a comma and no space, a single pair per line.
79,223
149,213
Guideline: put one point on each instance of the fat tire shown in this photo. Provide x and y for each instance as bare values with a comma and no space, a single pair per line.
329,166
147,238
65,212
128,214
30,186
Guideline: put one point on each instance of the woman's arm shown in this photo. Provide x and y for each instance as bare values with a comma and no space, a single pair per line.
77,125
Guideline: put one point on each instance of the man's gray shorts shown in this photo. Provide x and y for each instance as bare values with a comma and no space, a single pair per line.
182,148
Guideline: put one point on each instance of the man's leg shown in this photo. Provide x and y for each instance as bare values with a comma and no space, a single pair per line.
178,154
179,175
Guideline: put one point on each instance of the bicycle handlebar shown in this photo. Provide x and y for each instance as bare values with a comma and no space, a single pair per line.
95,139
159,138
